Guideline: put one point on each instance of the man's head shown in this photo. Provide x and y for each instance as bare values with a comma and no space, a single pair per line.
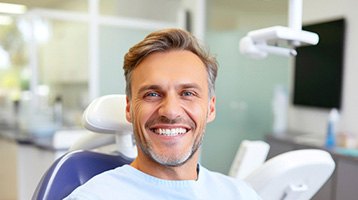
170,94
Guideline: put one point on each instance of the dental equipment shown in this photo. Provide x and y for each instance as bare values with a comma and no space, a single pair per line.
259,43
294,175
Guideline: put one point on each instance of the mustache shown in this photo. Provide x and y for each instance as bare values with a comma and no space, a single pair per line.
166,120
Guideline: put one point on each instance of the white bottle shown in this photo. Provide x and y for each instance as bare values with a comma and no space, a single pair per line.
279,108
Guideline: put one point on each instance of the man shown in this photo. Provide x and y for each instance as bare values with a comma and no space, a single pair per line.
170,99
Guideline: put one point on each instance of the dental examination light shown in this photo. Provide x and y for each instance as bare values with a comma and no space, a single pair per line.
259,43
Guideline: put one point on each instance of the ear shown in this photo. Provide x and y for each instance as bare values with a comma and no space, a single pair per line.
128,110
212,109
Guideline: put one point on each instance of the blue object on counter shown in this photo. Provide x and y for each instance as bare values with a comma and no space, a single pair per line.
330,138
333,119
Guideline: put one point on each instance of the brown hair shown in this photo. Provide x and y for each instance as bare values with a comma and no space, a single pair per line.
166,40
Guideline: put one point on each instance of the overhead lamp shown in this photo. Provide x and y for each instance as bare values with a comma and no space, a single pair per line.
9,8
259,43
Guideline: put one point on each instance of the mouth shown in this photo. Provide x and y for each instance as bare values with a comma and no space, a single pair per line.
170,131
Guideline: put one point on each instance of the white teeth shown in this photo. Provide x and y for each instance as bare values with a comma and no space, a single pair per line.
170,132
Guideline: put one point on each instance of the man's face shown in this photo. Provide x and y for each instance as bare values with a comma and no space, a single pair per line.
170,106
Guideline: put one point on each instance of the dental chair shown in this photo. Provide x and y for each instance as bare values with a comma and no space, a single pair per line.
295,175
93,153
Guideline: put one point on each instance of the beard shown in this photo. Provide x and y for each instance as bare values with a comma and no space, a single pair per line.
172,160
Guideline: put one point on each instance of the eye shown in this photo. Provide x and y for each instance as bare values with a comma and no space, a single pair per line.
151,94
188,93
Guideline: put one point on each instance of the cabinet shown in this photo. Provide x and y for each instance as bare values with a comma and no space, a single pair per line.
22,166
342,185
8,176
347,179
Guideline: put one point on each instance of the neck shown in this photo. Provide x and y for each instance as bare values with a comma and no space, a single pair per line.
187,171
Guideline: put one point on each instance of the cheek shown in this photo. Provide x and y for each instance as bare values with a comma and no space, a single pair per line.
140,113
138,120
136,113
198,113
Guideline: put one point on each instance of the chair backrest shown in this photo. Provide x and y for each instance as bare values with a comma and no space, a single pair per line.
107,115
72,170
250,155
294,175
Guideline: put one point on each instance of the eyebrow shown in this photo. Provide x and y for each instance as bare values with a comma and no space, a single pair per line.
149,87
190,85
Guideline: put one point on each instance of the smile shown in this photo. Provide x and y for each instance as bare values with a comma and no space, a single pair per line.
170,132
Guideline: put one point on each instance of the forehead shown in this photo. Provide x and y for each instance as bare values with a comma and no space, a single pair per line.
170,68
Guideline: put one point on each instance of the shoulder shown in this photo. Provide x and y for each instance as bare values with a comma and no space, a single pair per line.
103,184
228,184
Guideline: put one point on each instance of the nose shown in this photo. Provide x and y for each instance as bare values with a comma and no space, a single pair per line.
170,107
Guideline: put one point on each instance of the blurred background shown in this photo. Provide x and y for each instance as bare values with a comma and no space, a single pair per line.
58,55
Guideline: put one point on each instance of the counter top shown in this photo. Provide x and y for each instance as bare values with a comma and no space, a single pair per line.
314,141
15,135
25,138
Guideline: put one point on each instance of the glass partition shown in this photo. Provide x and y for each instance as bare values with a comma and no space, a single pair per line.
63,68
244,86
244,92
114,43
14,69
42,71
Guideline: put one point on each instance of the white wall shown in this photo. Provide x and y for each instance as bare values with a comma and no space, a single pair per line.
314,120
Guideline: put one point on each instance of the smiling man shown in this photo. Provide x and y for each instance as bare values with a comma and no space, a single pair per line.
169,108
170,99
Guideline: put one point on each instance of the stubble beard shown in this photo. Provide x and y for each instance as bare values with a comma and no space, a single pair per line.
171,161
167,160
